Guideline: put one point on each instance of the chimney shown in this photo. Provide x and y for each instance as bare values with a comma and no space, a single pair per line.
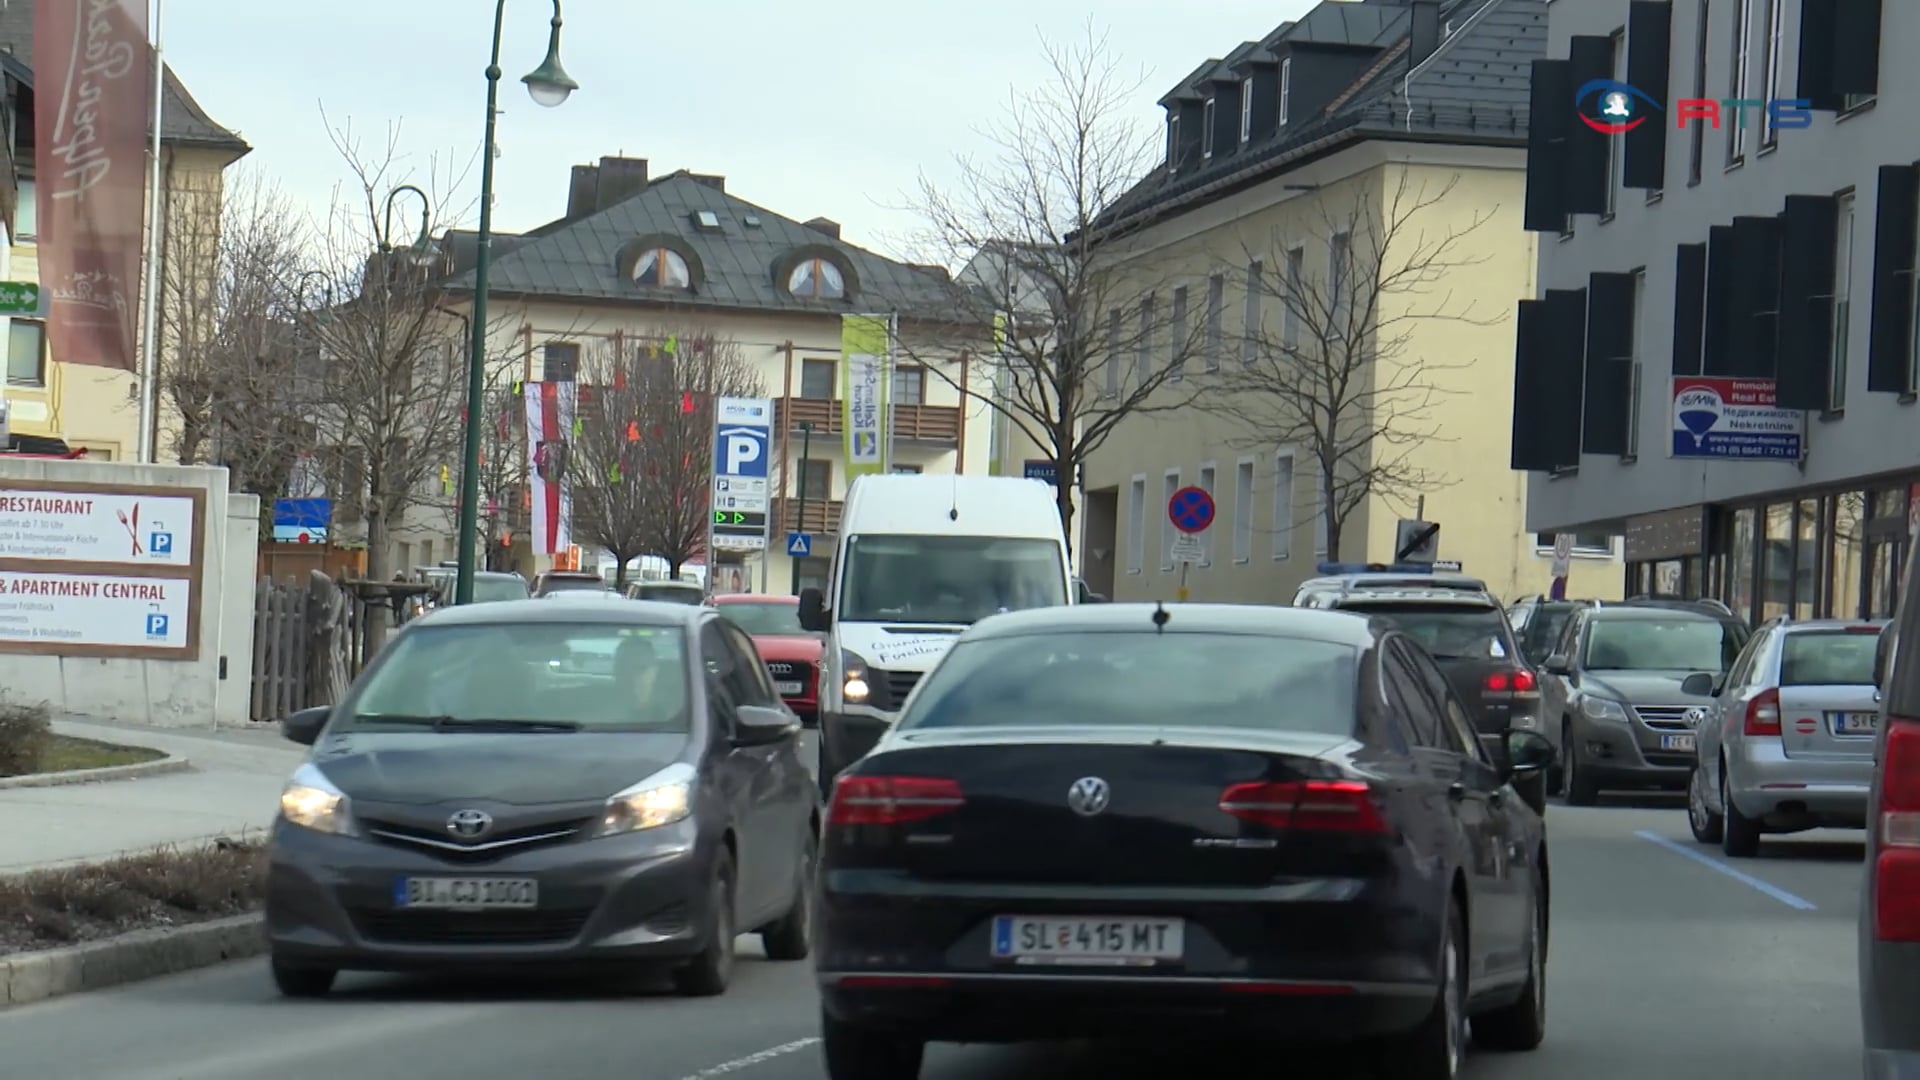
824,225
620,178
717,183
582,191
1425,35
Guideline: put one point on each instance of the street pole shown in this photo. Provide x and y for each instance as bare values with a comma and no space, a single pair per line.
549,86
146,452
800,520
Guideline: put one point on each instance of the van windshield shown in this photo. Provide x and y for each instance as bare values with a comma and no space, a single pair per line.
948,579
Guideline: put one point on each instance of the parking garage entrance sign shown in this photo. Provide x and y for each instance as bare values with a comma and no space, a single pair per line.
1734,419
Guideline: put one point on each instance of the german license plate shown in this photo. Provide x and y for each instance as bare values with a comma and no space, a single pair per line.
466,893
1855,723
789,689
1677,742
1088,940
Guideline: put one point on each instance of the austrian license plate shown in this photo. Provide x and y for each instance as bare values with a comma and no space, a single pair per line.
1677,742
1088,940
1855,723
466,893
789,689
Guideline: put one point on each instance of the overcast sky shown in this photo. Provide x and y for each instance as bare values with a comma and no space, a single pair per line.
826,108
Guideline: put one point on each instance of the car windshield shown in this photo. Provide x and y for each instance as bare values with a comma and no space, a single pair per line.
489,589
1446,631
948,579
1676,644
763,619
597,676
1544,629
672,593
1133,679
1828,658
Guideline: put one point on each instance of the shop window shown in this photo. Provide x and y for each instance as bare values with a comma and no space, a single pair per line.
1597,544
1776,561
1806,558
1846,559
1742,547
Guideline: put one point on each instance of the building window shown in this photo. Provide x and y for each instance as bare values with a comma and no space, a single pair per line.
1776,20
1739,84
1633,378
1206,484
1290,321
1177,336
662,268
1136,524
1243,511
1250,333
816,279
1169,484
817,379
1173,144
1206,130
909,385
1283,504
1116,322
26,216
26,352
1216,301
1616,147
560,361
1842,304
1593,545
1339,269
1246,110
1697,134
816,479
1286,88
1143,349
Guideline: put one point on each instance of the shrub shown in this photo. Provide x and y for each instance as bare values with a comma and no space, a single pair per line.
24,730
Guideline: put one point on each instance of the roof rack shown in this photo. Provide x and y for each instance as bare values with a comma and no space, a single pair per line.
1334,569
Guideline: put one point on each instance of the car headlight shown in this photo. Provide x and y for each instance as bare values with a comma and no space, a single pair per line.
660,799
859,683
311,801
1602,709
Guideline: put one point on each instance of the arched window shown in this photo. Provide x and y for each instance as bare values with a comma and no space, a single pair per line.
661,268
816,279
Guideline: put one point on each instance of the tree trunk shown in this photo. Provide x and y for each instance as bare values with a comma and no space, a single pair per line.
673,569
620,558
378,616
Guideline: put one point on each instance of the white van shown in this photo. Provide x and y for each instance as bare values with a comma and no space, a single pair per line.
921,558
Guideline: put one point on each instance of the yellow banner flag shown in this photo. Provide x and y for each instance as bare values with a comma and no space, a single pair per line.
864,343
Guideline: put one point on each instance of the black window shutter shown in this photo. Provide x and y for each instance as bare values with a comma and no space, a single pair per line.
1890,332
1609,377
1588,58
1715,350
1649,46
1856,47
1549,120
1751,327
1531,341
1817,37
1561,390
1689,306
1806,301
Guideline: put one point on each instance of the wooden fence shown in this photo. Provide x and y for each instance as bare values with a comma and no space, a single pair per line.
308,642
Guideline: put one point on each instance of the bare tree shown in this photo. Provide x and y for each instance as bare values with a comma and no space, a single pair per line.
643,452
1086,336
504,500
1341,373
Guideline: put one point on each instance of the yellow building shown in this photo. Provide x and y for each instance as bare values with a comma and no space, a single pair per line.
1336,234
91,407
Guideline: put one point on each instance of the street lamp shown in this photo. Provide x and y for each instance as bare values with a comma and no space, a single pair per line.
548,85
300,288
800,520
422,251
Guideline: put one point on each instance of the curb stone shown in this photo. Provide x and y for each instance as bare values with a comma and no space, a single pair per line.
163,767
143,954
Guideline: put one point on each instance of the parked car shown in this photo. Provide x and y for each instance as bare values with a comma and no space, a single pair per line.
1787,744
553,581
1075,829
792,654
671,592
1889,929
610,787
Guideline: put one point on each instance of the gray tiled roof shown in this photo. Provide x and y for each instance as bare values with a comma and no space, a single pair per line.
577,259
182,120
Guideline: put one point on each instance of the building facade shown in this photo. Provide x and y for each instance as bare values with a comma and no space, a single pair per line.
1287,163
1720,366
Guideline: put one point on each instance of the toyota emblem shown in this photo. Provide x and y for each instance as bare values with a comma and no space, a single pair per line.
470,824
1089,796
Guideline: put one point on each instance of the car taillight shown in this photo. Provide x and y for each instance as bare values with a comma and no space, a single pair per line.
1863,629
892,800
1763,713
1321,805
1896,872
1512,682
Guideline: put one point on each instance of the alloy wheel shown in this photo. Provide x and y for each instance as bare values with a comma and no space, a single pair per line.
1456,1014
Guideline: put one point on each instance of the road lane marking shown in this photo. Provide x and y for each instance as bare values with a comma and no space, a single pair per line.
1742,877
751,1060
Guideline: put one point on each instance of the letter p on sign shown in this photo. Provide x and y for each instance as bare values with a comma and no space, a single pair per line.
743,449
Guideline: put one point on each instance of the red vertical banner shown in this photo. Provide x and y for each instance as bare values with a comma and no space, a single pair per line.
92,104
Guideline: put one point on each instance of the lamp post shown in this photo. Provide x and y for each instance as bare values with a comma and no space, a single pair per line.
800,520
421,252
549,86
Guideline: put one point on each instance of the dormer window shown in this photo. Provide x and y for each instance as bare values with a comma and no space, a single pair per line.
1286,88
1246,110
1206,130
661,268
816,279
1173,143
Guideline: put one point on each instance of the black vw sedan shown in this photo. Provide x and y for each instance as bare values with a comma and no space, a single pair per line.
555,784
1131,821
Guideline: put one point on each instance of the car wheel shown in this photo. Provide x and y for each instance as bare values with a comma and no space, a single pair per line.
708,973
1706,825
791,938
1436,1049
855,1053
302,982
1581,789
1523,1024
1740,834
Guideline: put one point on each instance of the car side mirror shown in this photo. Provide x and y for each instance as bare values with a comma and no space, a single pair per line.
304,727
1527,752
1559,664
763,725
1700,684
813,611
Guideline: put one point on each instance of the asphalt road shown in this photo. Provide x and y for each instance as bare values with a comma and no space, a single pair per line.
1666,962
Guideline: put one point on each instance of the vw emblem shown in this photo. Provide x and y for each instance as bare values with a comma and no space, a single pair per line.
1089,796
470,824
1694,716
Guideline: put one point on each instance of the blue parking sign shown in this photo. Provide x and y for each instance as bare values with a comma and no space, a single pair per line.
156,625
160,543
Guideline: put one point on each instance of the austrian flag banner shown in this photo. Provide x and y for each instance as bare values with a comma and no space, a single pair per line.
550,413
93,100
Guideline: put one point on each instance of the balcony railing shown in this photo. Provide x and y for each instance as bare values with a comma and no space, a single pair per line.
912,423
822,517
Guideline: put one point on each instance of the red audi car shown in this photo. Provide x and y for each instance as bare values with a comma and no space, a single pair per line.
792,654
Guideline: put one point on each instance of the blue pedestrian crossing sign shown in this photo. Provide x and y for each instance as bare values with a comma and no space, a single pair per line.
800,545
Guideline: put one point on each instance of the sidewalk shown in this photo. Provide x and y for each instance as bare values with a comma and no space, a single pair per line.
234,787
